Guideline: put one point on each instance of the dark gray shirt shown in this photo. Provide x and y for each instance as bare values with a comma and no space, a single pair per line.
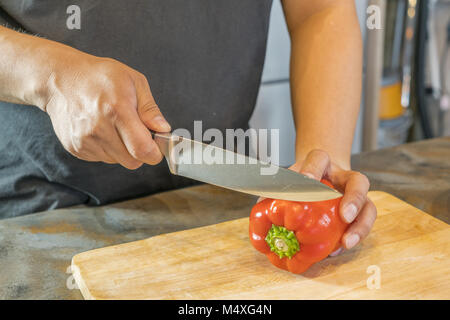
203,60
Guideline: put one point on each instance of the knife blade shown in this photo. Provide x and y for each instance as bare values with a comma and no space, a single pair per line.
227,169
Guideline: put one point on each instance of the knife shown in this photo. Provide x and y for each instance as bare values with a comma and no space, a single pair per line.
227,169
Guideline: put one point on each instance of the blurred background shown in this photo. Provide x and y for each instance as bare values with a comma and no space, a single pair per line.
406,76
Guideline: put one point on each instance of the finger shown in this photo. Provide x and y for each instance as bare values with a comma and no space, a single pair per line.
105,157
97,158
98,153
148,110
361,227
116,150
137,138
100,156
89,150
355,195
315,164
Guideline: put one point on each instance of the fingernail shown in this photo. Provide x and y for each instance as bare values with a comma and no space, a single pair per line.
161,123
350,212
351,241
337,252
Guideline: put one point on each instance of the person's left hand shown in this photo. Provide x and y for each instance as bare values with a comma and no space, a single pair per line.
355,208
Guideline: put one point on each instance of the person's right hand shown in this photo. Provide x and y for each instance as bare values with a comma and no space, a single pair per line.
101,109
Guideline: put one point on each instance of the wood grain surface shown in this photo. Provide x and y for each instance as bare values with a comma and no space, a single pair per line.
407,248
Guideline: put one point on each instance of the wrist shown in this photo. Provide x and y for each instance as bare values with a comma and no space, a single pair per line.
47,58
19,69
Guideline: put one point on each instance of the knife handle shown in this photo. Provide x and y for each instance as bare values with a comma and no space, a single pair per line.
166,142
153,133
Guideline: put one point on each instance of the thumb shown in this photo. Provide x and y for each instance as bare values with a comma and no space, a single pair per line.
316,164
148,110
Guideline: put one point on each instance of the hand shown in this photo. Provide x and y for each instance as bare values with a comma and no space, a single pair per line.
355,208
101,109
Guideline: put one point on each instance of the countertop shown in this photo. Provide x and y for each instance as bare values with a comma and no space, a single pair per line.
36,250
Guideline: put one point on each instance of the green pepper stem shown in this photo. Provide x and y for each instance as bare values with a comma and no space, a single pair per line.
282,241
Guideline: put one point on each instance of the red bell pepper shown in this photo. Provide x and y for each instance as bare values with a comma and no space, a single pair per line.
295,235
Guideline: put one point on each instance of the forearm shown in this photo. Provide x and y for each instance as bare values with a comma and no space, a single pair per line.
326,72
26,66
19,74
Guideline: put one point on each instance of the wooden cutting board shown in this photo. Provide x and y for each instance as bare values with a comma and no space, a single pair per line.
406,256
